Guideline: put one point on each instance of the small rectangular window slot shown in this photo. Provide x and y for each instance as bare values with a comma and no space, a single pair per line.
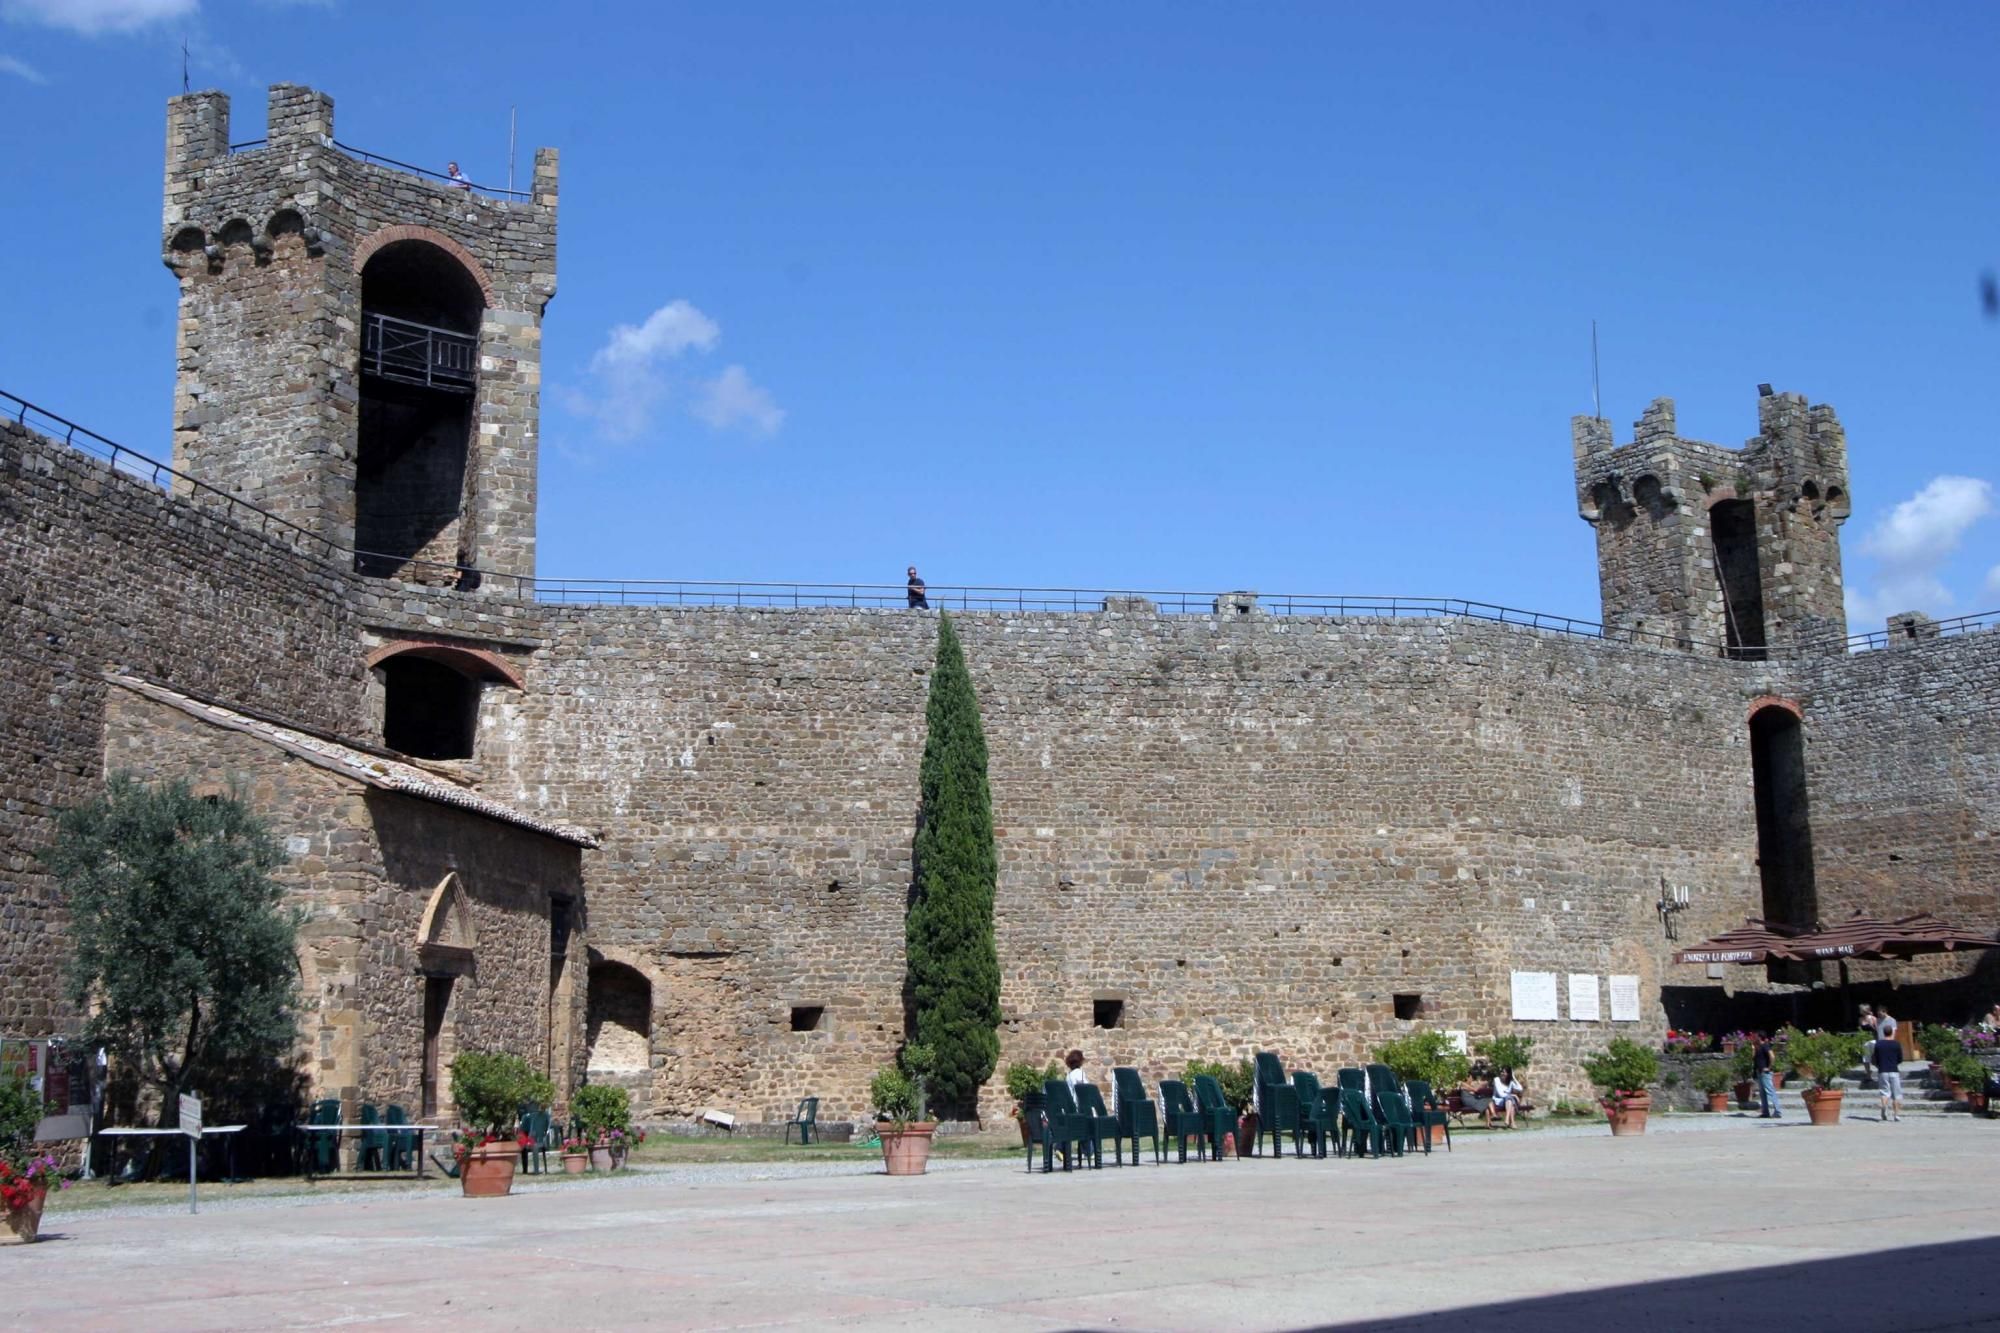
808,1017
1107,1013
1408,1005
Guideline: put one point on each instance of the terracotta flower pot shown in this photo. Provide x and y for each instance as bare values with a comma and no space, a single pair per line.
1246,1134
1822,1105
906,1151
575,1163
25,1223
1627,1113
1021,1119
488,1171
1718,1101
1744,1092
600,1157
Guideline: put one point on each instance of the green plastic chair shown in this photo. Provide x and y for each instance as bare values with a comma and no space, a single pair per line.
1427,1109
374,1142
1392,1107
1184,1119
1277,1107
1136,1112
1221,1115
1358,1126
537,1124
1070,1127
323,1150
403,1143
1316,1118
1090,1103
806,1118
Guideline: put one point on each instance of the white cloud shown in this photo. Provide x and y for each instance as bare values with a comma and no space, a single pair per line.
92,17
21,69
733,398
1924,529
1911,543
1993,581
635,374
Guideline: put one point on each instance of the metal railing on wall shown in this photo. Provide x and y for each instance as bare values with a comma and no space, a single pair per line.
1975,623
880,596
377,159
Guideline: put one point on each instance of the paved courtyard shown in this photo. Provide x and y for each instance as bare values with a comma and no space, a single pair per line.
1739,1225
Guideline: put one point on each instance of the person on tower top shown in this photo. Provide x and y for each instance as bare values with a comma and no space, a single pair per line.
918,600
456,177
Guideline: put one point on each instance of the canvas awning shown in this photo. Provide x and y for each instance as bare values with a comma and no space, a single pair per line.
1752,942
1864,936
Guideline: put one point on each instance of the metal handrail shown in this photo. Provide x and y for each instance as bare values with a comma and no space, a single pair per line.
861,596
247,145
364,155
1937,629
413,353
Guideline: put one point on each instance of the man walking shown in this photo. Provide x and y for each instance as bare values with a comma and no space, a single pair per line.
1767,1091
918,600
1888,1058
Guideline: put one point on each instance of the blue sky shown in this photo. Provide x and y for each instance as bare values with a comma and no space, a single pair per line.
1287,297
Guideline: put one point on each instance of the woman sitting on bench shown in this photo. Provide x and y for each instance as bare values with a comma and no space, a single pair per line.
1506,1096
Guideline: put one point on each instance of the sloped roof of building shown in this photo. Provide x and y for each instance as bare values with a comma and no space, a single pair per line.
375,770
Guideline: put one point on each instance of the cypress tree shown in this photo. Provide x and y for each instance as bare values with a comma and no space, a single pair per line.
954,970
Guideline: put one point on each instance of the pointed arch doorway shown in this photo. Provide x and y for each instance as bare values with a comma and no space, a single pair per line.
445,943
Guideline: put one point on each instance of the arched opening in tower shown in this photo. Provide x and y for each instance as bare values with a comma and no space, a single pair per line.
429,710
1732,527
620,1018
420,313
1784,825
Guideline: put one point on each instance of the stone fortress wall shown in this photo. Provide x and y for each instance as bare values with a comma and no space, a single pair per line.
1225,831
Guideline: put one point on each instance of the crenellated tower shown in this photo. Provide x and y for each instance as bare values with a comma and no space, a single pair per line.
1701,544
359,346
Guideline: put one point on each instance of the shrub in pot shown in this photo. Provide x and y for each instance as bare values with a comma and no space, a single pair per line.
1966,1074
1239,1088
1712,1081
1822,1057
1429,1056
1024,1087
1507,1050
901,1099
25,1178
489,1088
1623,1071
600,1111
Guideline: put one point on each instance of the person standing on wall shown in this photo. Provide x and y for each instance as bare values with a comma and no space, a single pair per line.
918,600
1887,1057
1767,1091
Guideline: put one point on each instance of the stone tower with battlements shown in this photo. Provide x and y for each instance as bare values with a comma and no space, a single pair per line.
1728,550
359,346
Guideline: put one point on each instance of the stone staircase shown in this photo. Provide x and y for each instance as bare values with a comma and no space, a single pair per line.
1923,1092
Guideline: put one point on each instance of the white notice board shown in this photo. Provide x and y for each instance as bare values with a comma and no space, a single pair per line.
1583,997
1624,999
1535,997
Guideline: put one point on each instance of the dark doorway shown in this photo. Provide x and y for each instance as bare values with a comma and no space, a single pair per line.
429,710
437,999
1784,827
1732,527
420,313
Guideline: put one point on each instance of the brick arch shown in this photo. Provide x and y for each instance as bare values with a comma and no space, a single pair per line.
476,662
403,231
1763,701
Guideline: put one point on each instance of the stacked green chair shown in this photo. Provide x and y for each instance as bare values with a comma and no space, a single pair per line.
1103,1124
1361,1132
1427,1109
1184,1118
322,1150
402,1143
538,1127
374,1142
1392,1107
1070,1128
1277,1106
1136,1113
1052,1133
1221,1115
1317,1116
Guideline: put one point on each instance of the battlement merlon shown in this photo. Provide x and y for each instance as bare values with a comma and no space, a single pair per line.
1798,456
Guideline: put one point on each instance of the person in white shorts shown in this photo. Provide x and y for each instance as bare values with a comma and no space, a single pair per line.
1888,1060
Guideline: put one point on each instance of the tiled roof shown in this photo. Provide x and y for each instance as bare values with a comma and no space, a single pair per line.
376,770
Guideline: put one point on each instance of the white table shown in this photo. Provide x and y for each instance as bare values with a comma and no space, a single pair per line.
344,1126
123,1132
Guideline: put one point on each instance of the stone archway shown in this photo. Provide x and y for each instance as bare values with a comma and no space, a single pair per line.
620,1023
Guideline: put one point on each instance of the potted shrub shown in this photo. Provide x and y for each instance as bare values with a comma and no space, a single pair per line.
25,1178
600,1110
1965,1077
1507,1051
1024,1086
901,1098
1712,1081
1743,1068
575,1156
1623,1071
1429,1056
489,1088
1822,1057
